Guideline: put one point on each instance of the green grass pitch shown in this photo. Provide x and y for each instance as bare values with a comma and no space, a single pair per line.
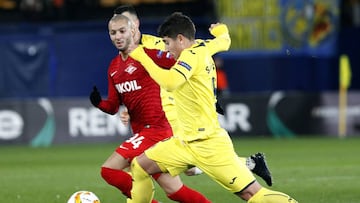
313,170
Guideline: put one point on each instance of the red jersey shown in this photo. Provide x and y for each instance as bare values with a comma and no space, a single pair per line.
130,84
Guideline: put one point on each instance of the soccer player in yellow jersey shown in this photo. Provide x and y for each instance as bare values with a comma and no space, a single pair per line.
256,163
202,143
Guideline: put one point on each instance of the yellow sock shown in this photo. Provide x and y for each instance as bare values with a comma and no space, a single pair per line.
142,189
270,196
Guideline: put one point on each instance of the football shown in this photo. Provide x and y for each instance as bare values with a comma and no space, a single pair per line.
83,197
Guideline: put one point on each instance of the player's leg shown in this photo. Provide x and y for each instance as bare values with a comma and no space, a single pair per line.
112,172
265,195
143,188
167,154
255,193
256,163
113,169
177,191
238,178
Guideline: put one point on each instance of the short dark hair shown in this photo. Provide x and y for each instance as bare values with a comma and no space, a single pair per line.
125,8
175,24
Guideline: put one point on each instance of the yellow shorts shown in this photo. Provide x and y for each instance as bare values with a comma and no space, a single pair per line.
215,156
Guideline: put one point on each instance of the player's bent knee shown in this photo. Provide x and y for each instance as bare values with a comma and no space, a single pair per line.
249,191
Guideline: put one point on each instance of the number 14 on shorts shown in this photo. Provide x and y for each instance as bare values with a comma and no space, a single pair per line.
135,140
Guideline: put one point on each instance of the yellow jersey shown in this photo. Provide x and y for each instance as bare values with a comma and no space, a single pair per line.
167,98
196,98
195,93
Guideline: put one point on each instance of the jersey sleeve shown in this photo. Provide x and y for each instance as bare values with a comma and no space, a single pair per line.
112,103
168,79
152,42
221,42
161,58
186,63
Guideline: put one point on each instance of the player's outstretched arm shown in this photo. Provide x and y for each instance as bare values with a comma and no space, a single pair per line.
222,40
168,79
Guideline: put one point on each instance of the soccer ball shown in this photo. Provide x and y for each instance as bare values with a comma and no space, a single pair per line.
83,197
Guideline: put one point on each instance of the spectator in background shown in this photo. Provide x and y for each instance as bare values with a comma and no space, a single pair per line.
222,82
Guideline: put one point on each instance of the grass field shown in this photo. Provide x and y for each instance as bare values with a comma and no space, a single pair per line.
313,170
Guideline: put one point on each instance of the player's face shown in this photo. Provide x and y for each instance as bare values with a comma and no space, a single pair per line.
120,34
174,46
136,24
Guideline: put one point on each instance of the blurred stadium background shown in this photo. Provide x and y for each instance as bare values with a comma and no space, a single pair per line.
282,69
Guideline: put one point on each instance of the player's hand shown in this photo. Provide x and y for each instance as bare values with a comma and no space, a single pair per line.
125,117
212,26
95,97
218,29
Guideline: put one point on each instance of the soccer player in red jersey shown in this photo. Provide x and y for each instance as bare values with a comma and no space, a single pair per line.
129,84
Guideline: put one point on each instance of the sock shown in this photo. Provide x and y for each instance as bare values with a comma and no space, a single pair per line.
187,195
128,200
248,162
143,188
119,179
270,196
156,176
197,171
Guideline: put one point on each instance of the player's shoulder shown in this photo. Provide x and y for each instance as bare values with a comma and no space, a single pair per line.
152,41
149,37
202,42
115,59
198,48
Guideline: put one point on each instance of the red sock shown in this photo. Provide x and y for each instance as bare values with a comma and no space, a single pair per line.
156,176
187,195
119,179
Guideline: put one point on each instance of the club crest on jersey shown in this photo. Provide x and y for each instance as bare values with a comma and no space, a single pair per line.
130,69
127,86
185,65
